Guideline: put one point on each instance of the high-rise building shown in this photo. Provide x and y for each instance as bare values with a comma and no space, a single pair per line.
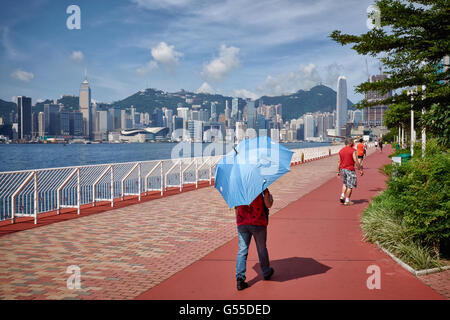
234,108
76,124
157,117
64,123
308,126
374,116
341,104
52,122
115,118
195,129
251,114
177,122
168,113
23,118
41,124
227,111
86,107
204,115
213,112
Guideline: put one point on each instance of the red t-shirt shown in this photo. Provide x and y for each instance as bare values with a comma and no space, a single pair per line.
346,155
360,147
252,214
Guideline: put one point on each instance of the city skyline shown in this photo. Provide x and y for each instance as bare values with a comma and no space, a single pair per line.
246,53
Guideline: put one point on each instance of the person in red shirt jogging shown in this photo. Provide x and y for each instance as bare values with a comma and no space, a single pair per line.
361,151
346,169
251,221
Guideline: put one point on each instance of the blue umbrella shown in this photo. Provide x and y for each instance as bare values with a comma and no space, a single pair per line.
242,174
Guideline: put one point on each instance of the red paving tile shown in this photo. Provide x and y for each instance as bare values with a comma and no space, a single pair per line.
317,250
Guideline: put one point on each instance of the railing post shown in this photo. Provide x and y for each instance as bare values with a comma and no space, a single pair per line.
196,173
78,191
162,179
36,200
139,181
181,177
112,186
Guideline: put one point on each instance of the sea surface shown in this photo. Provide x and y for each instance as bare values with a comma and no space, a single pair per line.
15,157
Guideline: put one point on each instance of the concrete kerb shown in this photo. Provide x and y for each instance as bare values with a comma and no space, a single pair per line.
411,269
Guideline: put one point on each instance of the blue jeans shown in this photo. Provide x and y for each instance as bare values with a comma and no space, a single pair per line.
245,234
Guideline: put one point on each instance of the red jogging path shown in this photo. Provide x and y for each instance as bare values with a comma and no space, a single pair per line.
317,249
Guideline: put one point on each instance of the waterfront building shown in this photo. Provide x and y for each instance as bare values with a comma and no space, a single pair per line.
23,118
76,124
157,118
341,104
52,124
114,114
195,129
86,107
64,123
41,124
168,114
308,126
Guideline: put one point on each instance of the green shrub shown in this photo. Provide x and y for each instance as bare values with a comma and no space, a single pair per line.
421,188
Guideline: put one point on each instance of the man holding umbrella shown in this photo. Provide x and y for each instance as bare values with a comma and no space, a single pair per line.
252,220
242,177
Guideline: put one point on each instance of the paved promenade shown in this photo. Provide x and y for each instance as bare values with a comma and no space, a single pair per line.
184,247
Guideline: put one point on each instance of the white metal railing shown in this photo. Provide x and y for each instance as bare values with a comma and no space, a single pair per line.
32,192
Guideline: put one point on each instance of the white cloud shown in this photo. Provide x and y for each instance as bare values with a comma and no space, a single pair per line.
218,68
205,88
166,54
304,78
244,93
162,54
22,75
145,69
77,56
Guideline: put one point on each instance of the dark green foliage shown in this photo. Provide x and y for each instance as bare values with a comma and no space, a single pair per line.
421,188
411,43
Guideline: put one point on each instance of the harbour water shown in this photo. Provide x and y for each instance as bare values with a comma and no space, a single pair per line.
37,156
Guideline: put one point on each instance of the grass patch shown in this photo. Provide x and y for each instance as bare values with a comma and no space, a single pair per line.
382,224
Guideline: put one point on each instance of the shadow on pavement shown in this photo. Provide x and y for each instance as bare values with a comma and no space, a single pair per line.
291,268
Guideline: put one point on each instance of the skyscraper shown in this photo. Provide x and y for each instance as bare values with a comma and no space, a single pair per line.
86,107
251,114
341,104
374,116
308,126
213,112
23,118
227,111
234,107
52,121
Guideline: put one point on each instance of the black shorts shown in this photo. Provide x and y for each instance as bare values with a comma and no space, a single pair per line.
360,157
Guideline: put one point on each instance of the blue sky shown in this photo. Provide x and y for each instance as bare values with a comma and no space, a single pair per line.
241,48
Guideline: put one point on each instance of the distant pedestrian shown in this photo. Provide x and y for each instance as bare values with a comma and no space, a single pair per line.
346,169
251,221
381,145
376,143
361,151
